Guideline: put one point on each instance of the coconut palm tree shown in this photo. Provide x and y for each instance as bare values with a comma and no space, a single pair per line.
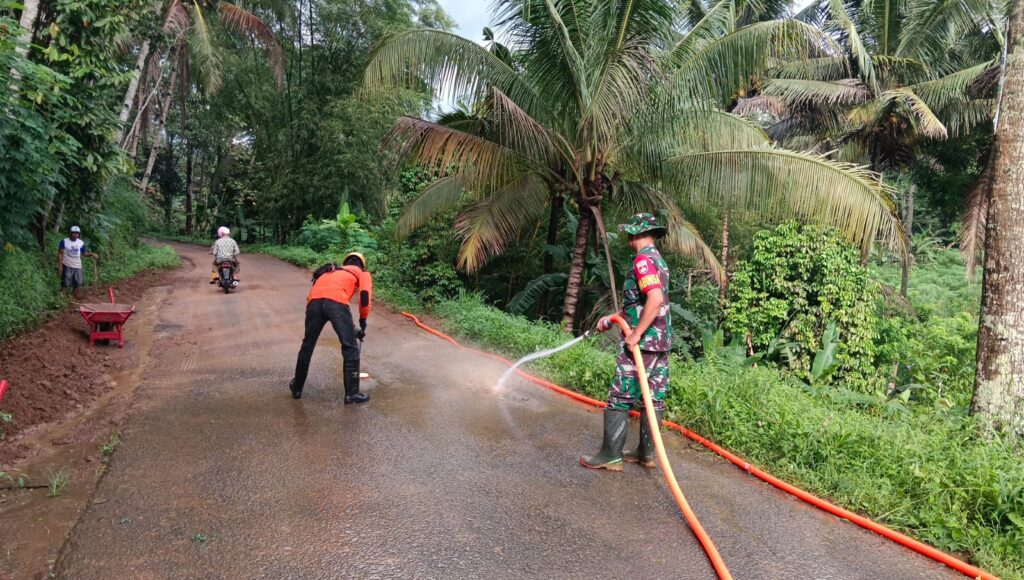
607,105
910,72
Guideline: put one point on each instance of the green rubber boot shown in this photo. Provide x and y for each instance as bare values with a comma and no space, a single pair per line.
610,455
645,453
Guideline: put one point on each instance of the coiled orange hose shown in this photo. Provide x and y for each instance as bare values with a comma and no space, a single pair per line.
901,539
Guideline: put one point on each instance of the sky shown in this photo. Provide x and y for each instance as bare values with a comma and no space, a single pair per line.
470,15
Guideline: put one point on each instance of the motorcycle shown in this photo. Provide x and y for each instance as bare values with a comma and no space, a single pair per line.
226,276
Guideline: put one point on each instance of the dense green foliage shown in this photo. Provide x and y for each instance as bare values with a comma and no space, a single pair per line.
796,282
31,287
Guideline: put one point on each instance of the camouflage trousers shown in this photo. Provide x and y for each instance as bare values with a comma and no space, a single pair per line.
625,390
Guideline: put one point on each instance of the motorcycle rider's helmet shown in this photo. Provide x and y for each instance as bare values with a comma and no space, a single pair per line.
223,231
351,258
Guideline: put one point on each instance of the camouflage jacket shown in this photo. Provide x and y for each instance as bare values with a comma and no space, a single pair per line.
649,271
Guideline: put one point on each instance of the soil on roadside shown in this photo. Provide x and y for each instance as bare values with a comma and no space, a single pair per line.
70,402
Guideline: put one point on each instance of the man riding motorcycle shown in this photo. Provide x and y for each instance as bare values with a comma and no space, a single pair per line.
224,250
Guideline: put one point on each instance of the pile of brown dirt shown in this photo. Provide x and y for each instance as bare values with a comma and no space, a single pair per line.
53,372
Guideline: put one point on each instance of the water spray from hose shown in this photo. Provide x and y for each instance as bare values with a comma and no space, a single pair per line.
538,355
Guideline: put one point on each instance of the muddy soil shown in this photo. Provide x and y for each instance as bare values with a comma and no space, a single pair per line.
55,375
71,404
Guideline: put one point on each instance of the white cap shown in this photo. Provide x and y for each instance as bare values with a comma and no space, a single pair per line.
76,230
223,231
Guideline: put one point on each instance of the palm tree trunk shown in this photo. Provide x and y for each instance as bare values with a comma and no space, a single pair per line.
999,383
190,163
908,224
133,87
723,290
579,258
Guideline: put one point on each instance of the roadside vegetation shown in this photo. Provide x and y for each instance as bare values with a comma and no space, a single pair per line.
819,169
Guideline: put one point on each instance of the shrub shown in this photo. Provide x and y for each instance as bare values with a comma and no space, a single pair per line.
798,280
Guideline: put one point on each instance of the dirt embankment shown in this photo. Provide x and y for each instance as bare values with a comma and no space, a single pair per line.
55,375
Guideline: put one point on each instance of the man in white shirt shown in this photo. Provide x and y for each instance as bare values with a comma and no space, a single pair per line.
224,249
69,261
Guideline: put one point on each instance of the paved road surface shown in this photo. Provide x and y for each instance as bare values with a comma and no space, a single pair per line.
223,475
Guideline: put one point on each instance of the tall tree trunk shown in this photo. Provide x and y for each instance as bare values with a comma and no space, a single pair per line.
27,23
908,225
999,384
158,142
579,261
190,163
554,221
133,87
723,290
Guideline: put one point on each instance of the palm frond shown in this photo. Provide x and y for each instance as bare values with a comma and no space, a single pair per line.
845,24
714,24
535,289
827,68
927,122
683,237
932,27
819,93
203,53
961,119
620,91
490,225
512,127
760,104
973,220
241,21
177,20
483,164
444,194
695,130
570,54
951,90
780,184
454,67
725,66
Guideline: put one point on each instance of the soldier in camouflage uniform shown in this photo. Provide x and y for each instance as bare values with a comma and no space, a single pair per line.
646,309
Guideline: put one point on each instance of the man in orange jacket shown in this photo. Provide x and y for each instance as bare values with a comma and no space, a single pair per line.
328,300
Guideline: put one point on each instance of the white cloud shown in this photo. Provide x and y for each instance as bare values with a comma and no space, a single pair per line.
471,16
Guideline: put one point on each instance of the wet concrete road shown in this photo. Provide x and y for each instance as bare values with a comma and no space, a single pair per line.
223,475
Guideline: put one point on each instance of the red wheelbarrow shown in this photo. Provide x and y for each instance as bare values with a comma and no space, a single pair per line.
106,321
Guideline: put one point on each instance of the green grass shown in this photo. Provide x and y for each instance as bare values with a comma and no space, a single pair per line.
31,288
113,442
57,480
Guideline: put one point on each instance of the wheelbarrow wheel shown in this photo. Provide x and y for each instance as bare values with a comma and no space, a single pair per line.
105,327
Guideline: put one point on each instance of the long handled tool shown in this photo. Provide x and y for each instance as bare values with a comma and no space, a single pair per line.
698,530
96,276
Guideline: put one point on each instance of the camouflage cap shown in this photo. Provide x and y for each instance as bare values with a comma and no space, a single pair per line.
642,223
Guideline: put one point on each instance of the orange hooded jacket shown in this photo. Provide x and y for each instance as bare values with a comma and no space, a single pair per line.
341,284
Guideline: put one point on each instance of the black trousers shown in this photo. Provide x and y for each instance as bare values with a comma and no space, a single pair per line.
318,313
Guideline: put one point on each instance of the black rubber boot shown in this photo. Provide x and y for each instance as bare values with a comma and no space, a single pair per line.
610,456
352,394
645,453
296,393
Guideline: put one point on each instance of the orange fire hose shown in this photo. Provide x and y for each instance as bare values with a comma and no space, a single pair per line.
901,539
666,468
